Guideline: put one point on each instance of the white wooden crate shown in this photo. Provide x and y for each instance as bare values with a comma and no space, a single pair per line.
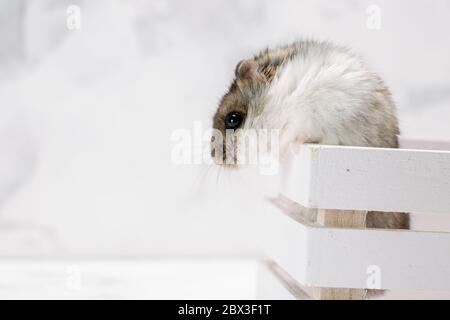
334,177
343,258
353,178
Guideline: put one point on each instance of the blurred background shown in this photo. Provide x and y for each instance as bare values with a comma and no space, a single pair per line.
87,114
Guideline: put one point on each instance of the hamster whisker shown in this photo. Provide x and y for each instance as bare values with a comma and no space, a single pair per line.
202,176
219,171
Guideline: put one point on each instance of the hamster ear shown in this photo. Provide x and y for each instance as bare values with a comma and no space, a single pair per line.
247,69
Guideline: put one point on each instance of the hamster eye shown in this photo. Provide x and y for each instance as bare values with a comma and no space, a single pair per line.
233,120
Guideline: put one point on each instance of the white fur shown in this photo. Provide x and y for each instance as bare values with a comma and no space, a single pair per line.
326,95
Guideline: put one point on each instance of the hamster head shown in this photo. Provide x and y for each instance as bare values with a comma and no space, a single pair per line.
239,119
236,111
309,92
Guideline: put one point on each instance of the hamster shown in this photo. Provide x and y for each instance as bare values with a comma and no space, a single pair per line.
312,92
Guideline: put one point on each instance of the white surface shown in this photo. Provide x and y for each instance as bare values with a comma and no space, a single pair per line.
333,177
128,279
148,279
325,257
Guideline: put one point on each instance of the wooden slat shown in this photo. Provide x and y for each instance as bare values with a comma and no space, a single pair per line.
341,219
341,258
353,178
275,284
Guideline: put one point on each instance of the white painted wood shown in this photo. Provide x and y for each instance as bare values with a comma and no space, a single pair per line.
275,284
354,178
323,257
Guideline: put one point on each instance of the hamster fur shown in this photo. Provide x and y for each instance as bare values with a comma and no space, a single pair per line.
313,92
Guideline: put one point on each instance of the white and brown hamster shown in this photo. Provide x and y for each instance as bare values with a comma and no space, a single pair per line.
312,92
